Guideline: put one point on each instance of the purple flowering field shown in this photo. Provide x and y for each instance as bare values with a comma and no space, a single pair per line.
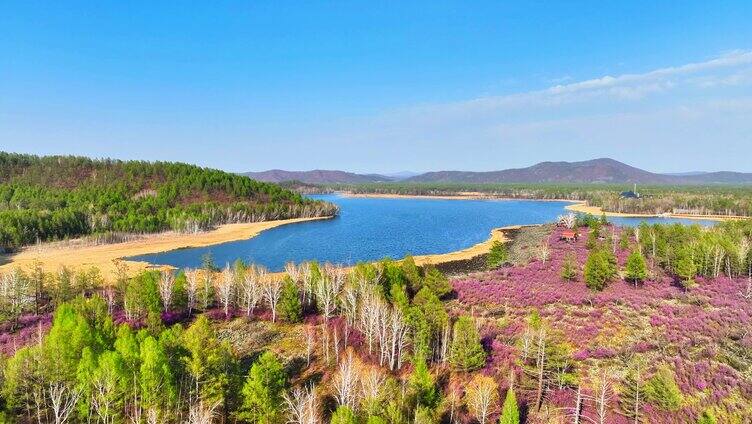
703,334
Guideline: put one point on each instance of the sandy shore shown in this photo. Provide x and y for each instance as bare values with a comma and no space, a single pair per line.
497,234
54,255
583,207
463,195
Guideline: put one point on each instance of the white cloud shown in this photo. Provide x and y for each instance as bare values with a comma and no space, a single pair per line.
642,117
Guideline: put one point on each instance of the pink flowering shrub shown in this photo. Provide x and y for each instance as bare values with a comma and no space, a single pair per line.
702,333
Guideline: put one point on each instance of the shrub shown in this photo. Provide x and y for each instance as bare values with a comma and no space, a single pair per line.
569,268
707,417
343,415
497,256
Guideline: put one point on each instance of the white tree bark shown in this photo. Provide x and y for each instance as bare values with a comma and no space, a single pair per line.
166,288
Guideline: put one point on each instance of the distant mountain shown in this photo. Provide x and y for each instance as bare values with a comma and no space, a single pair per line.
606,171
592,171
317,176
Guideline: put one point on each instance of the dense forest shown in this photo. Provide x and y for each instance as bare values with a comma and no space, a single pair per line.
58,197
621,326
701,200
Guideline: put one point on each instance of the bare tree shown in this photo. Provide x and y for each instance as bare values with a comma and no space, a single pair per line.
482,397
540,365
226,289
293,271
200,413
303,405
272,288
569,220
63,401
310,337
371,383
398,339
191,288
602,394
166,288
544,252
252,288
326,296
743,250
15,295
345,381
349,304
307,283
369,316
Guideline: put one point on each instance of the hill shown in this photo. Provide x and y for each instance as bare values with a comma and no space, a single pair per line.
58,197
591,171
317,176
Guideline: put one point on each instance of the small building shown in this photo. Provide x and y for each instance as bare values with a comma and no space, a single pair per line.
569,235
632,194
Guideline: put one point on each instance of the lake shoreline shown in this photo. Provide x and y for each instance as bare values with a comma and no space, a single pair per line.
54,255
583,207
467,195
578,206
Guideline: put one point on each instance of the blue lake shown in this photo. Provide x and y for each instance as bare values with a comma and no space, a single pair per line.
373,228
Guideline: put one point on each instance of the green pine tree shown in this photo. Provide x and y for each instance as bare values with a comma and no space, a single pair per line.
467,353
685,267
637,268
290,308
599,269
510,413
437,282
262,393
662,390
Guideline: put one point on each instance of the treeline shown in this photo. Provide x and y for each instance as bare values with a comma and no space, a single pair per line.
700,200
58,197
370,323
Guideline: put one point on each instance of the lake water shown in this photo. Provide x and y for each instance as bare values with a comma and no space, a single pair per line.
373,228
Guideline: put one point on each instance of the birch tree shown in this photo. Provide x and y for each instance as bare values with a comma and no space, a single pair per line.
226,289
482,397
62,400
345,381
191,289
272,288
15,296
252,288
303,406
166,288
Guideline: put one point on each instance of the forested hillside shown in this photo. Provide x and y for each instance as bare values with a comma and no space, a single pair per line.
655,199
57,197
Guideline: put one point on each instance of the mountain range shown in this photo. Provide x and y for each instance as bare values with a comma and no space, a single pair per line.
602,170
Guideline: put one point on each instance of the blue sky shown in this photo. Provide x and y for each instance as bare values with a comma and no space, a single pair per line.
380,86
